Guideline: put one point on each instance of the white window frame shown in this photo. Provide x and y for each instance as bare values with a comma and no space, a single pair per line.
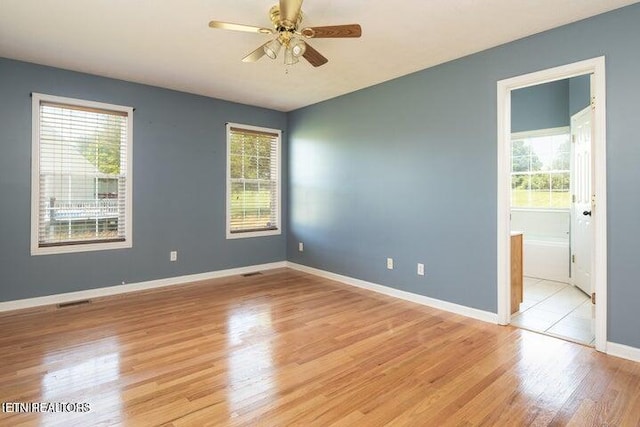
37,99
562,130
244,235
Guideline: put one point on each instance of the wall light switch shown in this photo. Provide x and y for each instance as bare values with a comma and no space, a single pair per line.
420,269
390,263
300,247
173,256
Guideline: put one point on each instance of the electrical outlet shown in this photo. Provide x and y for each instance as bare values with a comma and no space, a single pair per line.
300,247
420,269
390,263
173,256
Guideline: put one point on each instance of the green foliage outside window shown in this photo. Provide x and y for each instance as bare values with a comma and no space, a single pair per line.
540,172
253,180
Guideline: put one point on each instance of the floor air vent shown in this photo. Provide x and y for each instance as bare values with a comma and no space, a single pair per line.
255,273
74,303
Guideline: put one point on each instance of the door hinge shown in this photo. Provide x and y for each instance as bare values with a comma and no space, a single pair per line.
573,138
573,258
593,298
593,102
573,198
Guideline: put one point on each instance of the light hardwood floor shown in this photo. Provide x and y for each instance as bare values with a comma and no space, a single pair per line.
286,348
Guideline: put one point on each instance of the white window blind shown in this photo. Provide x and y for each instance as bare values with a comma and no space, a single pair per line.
82,172
253,181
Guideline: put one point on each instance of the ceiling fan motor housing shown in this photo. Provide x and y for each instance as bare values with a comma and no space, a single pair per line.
283,25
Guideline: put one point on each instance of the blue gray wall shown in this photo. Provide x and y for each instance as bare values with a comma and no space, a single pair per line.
407,169
540,107
178,186
549,105
579,93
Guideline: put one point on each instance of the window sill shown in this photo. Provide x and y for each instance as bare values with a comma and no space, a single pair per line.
90,247
253,234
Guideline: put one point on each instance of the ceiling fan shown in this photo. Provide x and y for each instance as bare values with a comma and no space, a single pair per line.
287,19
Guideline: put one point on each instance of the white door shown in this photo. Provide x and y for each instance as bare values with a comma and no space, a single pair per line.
581,223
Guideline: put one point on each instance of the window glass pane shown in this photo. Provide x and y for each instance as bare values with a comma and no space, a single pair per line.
539,194
237,146
562,153
237,203
250,170
236,165
519,147
520,190
264,147
82,164
560,195
520,164
540,171
253,204
264,168
541,153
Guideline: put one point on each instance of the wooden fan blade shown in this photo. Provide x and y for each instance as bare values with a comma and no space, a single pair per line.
240,27
255,55
314,57
290,10
333,31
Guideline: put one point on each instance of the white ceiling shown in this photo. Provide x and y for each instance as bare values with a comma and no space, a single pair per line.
167,43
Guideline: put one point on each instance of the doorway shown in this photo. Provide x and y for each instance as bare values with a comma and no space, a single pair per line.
591,219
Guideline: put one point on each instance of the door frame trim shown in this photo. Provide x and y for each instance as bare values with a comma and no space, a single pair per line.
595,66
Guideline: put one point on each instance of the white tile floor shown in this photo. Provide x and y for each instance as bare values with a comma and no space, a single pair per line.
557,309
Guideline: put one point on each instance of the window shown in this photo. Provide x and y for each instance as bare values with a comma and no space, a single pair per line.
81,175
540,169
253,181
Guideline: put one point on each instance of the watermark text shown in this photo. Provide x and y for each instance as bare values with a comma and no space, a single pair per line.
30,407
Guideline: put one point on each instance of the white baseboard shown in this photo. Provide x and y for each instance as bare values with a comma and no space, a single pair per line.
132,287
623,351
407,296
613,349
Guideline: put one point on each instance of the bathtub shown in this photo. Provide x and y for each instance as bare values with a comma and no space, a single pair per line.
546,257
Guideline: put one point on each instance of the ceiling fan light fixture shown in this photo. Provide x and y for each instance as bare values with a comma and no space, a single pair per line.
298,47
289,57
272,48
287,17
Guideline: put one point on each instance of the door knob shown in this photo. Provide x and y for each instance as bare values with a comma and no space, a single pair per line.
585,213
